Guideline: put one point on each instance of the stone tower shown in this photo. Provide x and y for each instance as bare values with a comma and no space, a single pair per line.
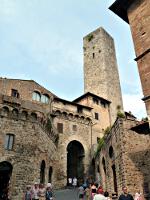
137,14
100,69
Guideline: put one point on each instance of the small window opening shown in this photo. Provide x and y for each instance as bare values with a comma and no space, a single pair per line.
15,93
93,55
74,127
60,127
79,109
9,141
96,116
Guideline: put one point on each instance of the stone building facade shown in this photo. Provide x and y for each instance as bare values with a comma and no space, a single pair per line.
124,159
137,14
44,138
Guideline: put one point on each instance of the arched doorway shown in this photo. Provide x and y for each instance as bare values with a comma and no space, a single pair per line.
5,175
42,172
75,157
50,174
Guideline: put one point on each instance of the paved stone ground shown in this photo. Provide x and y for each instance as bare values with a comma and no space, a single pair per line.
67,194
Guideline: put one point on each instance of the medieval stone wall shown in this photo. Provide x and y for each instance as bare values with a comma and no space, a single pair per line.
129,159
24,87
32,145
76,127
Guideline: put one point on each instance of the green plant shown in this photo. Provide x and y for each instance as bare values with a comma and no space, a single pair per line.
145,119
101,143
90,37
48,124
120,114
107,130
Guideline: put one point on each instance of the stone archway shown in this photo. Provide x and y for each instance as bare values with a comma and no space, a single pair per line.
75,160
5,175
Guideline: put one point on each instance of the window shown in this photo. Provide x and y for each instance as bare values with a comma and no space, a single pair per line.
14,93
96,116
36,96
60,127
95,101
93,55
79,109
45,99
74,127
9,141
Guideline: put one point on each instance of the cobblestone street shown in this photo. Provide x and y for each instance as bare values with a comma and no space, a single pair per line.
67,194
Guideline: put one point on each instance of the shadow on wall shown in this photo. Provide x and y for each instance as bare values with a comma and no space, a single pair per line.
141,161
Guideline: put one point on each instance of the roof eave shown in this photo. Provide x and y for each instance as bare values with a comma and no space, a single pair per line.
120,7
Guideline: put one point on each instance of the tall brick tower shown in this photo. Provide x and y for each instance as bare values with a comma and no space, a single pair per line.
137,14
100,69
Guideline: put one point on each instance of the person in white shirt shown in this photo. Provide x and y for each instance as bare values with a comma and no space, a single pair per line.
70,181
99,195
74,182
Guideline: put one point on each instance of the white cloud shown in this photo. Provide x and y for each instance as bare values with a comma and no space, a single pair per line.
133,103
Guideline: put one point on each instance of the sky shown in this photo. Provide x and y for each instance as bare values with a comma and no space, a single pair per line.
42,40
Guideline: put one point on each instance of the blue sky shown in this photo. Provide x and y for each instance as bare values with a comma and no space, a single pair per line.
42,40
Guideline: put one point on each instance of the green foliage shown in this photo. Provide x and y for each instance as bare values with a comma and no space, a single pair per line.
48,124
107,130
101,143
120,114
145,119
90,37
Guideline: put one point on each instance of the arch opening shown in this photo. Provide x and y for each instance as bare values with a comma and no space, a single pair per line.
50,174
5,175
42,172
75,160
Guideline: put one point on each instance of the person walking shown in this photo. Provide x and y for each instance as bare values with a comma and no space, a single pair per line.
35,191
74,182
99,195
138,196
81,192
88,192
49,192
42,191
125,195
27,194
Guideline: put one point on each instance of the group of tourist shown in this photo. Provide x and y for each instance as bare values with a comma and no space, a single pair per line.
38,192
92,192
95,192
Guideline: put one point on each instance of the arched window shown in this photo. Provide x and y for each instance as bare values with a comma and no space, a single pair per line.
45,98
42,172
111,152
5,111
9,141
104,165
34,116
36,96
15,112
50,174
